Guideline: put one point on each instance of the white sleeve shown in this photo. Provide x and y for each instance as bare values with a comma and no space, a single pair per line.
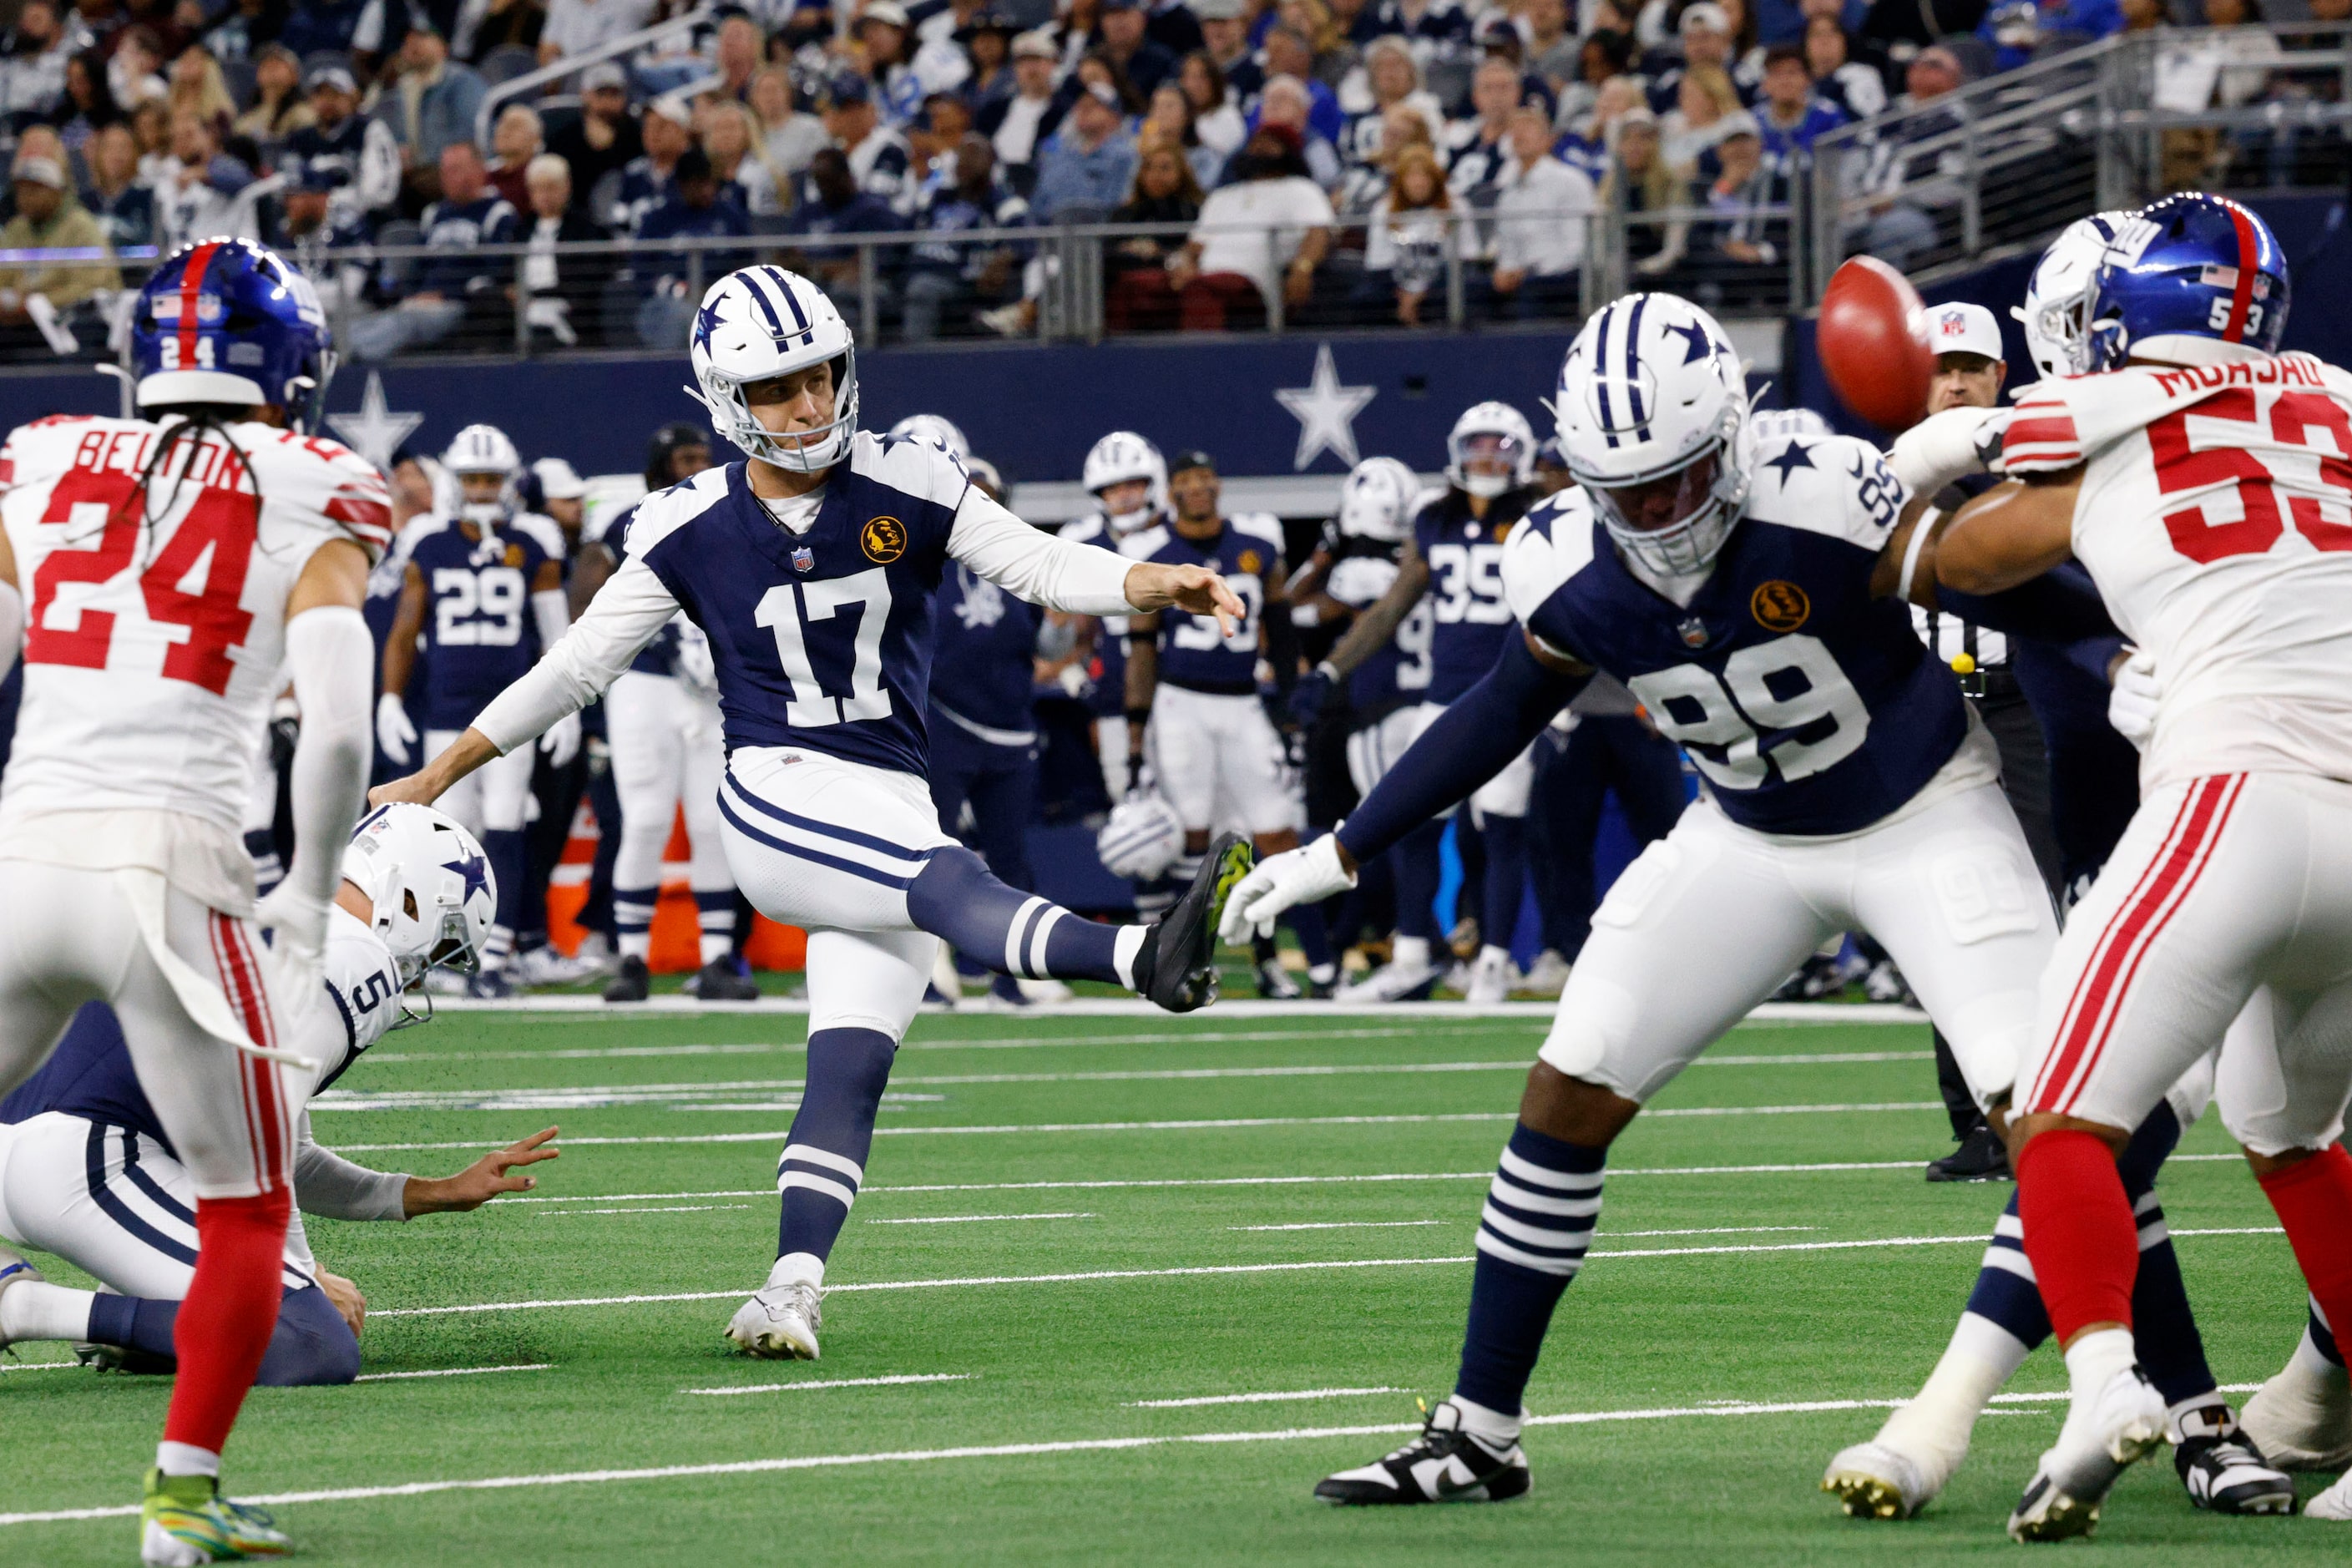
332,657
628,612
553,613
1032,564
327,1183
12,626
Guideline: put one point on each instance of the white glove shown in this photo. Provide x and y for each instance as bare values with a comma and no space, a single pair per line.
2131,706
1946,447
1281,881
299,923
562,740
694,663
394,733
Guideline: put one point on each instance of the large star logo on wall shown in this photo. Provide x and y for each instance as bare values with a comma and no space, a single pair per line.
1326,412
375,432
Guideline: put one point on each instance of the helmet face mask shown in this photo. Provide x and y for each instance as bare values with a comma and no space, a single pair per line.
1491,449
1676,523
760,325
480,452
1117,461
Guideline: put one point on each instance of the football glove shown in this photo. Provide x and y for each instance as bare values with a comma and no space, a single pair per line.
1308,694
2131,706
394,735
562,740
1283,881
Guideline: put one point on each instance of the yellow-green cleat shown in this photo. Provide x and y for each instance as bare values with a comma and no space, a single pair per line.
1177,967
186,1521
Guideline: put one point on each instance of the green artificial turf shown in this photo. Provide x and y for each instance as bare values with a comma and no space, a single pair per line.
1065,1361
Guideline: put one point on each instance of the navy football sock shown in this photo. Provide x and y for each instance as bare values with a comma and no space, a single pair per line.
717,912
1506,840
1416,880
1539,1219
956,899
506,852
1314,933
134,1323
632,920
2322,1340
310,1347
825,1153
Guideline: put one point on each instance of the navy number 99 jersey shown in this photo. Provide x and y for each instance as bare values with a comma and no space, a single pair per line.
1469,616
479,633
1193,652
1809,707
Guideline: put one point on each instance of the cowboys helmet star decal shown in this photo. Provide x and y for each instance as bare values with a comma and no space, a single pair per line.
706,321
1701,344
474,868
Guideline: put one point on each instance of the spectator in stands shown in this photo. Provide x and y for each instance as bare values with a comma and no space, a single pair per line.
348,28
151,127
1587,146
835,207
1476,147
1743,238
1705,33
1125,39
1541,215
1440,26
506,24
561,292
693,211
89,105
735,56
1019,125
362,149
1260,237
1641,181
96,22
458,282
432,101
48,219
1498,39
1216,117
987,39
33,56
2016,28
947,278
902,75
788,137
933,138
1388,76
1905,179
1897,35
1094,70
650,178
124,208
1087,164
279,107
1788,116
1331,54
1553,51
135,72
196,85
1704,103
739,160
515,138
604,140
581,27
1224,37
1138,296
879,159
1405,244
1170,119
1287,101
1842,81
200,194
1364,185
1601,59
1287,54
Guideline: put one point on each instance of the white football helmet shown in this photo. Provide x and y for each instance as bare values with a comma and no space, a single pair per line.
1653,411
2056,314
760,323
430,885
939,431
1140,839
1118,457
1781,424
1376,500
484,450
1490,430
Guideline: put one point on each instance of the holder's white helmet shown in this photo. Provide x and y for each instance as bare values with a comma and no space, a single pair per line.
1490,430
939,432
2056,314
1653,413
1376,500
484,450
760,323
1118,457
1141,838
431,885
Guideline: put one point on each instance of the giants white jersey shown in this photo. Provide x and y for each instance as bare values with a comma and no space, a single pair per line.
155,620
2216,517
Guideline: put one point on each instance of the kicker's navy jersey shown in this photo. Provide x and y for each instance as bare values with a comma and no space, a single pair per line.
479,633
1807,706
658,657
1108,698
1469,617
1194,653
821,639
985,668
1396,674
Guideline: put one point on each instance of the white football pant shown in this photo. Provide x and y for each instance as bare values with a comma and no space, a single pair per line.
494,797
1219,762
666,752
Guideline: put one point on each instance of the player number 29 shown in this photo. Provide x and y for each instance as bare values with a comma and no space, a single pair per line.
1730,710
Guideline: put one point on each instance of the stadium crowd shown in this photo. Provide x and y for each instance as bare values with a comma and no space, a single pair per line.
1346,158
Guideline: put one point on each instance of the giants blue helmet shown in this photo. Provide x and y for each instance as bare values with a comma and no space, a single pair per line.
2192,279
227,321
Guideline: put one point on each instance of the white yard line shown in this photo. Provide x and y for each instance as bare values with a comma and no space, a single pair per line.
1136,1007
1258,1398
451,1371
1348,1224
837,1382
978,1219
681,1208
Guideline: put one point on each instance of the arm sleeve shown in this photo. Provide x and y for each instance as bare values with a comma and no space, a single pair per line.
12,626
553,614
1032,564
628,612
1471,741
327,1183
2061,605
334,660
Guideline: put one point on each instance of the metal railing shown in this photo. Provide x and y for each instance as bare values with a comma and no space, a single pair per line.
572,65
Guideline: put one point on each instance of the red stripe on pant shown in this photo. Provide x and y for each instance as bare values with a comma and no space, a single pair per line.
217,929
264,1120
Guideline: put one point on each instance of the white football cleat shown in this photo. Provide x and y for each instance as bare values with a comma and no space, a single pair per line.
1492,977
780,1322
1877,1481
2123,1424
1393,982
2334,1504
2302,1418
1547,975
14,1270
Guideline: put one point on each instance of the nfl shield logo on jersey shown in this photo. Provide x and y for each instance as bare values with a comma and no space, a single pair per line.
1694,631
803,558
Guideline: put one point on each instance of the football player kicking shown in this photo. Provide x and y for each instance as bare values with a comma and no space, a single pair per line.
169,572
1749,600
87,1170
2201,479
1919,1447
812,569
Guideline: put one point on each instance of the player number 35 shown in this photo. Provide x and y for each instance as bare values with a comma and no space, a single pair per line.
1755,691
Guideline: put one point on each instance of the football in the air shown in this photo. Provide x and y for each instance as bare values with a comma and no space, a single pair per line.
1872,343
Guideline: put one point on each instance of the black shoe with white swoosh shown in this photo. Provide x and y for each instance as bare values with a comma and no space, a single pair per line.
1445,1464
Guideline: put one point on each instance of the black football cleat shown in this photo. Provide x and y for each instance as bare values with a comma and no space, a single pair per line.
2223,1470
1981,1157
630,982
1445,1464
1178,965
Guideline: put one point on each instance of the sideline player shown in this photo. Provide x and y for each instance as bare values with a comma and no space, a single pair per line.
1129,479
87,1170
1753,610
168,574
483,596
2201,480
1457,550
1192,698
812,569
